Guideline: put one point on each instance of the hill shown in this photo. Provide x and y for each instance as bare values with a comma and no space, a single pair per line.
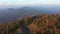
12,14
35,24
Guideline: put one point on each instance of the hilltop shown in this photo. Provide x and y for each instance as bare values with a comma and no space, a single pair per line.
35,24
13,13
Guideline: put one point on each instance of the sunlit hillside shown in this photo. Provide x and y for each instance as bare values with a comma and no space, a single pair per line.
35,24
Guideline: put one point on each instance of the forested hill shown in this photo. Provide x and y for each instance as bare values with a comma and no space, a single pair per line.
12,14
35,24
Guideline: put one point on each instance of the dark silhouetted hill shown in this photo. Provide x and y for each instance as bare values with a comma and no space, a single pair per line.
12,14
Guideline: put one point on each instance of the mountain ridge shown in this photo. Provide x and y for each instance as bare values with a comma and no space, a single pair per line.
35,24
9,14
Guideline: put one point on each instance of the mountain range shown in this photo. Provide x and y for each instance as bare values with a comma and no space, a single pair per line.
12,14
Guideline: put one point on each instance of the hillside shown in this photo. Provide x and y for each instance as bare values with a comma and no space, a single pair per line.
35,24
12,14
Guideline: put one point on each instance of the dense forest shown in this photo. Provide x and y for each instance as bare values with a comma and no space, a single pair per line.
35,24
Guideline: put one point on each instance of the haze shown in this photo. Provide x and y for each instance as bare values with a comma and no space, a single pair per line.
27,2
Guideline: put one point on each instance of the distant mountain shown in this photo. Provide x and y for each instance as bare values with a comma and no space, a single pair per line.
10,14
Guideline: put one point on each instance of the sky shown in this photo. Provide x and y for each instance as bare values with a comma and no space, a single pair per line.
27,2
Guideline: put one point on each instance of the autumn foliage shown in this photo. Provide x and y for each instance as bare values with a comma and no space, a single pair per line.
36,24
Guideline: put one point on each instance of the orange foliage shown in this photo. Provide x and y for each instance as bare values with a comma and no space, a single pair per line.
37,24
